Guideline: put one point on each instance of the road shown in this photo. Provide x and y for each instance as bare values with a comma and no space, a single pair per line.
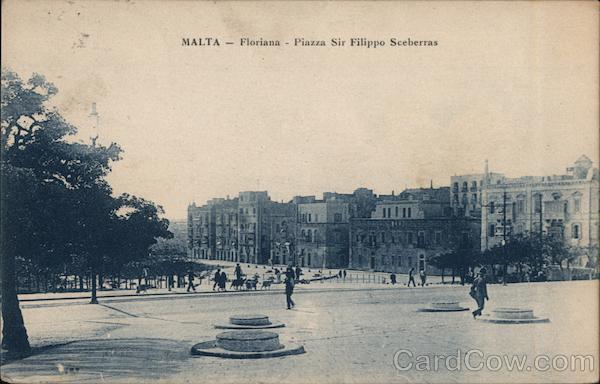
349,335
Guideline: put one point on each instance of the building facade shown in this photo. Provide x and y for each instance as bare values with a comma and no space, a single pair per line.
466,192
407,230
565,206
322,234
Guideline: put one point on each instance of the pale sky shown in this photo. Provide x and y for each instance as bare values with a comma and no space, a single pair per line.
515,83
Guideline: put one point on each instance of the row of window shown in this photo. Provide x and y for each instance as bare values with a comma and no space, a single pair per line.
421,238
406,212
498,231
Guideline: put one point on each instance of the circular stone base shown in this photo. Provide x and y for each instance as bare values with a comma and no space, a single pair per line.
248,341
461,309
249,320
497,320
209,348
274,324
452,306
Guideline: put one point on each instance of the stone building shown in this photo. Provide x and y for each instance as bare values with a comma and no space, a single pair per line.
322,233
405,232
282,233
565,206
466,191
244,229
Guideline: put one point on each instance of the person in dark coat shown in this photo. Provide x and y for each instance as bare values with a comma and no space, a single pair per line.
238,272
411,277
479,292
423,276
217,278
223,281
393,278
298,273
191,281
289,287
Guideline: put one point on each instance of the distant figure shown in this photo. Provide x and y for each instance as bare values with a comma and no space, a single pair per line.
298,273
238,272
277,276
411,277
393,278
191,281
217,278
289,287
340,274
479,292
344,273
222,282
423,276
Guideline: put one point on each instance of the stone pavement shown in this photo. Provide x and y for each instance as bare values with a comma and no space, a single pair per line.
349,336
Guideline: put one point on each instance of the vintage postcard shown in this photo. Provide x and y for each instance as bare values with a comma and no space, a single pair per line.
299,191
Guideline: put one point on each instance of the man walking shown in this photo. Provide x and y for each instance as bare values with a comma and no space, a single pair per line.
423,276
411,277
238,272
289,287
298,273
479,292
191,281
217,278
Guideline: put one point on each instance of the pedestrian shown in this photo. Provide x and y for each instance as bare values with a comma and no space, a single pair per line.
222,282
340,274
393,278
411,277
238,272
217,278
344,274
423,276
479,292
191,281
298,273
289,288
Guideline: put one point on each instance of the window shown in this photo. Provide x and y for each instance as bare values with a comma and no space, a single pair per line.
309,218
409,212
410,237
403,212
438,237
575,231
389,212
384,212
315,238
254,211
492,207
520,206
396,211
492,230
577,205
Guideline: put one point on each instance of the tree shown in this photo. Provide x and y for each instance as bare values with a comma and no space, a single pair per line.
42,173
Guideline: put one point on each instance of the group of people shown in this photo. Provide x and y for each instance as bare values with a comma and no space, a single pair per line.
411,277
220,281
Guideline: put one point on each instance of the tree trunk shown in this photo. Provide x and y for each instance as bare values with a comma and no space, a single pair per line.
14,334
94,299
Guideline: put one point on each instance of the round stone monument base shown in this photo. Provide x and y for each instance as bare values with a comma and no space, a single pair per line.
513,316
210,348
444,307
236,326
249,322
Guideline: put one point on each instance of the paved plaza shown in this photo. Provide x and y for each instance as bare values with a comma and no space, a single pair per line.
350,335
